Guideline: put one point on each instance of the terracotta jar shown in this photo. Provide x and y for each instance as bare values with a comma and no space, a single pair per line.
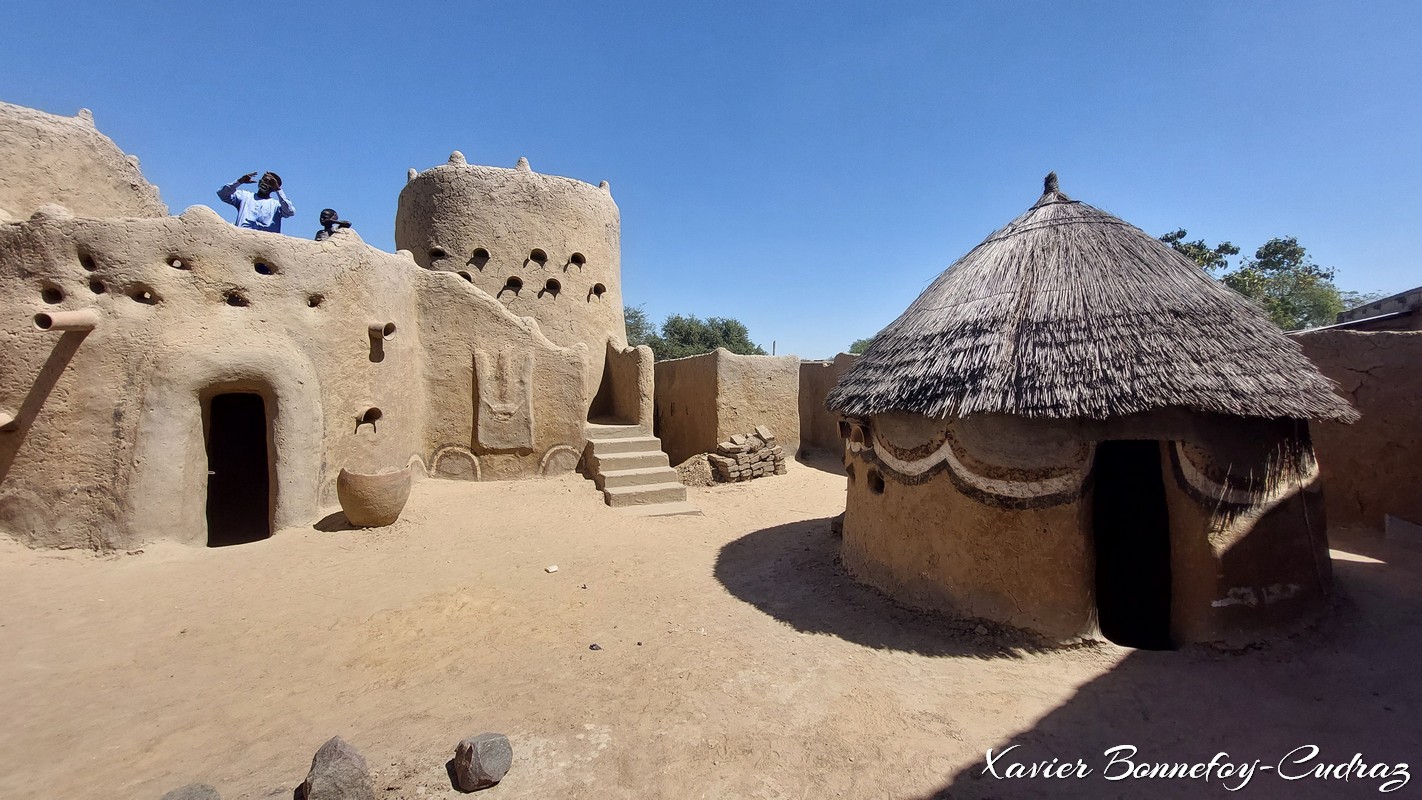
373,501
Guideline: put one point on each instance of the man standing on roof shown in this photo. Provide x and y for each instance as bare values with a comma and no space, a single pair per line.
260,211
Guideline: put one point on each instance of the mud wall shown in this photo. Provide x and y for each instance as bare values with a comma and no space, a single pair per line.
703,400
363,360
1371,468
503,401
66,161
991,517
819,428
930,539
685,406
109,446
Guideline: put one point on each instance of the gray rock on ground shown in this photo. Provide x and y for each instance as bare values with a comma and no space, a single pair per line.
482,761
193,791
338,772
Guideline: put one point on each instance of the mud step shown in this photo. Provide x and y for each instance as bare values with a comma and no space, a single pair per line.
643,476
595,431
682,509
625,444
618,462
620,496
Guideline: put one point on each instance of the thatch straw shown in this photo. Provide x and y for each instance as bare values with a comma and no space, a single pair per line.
1071,312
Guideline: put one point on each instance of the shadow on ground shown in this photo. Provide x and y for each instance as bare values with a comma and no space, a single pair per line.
831,461
792,573
1350,686
331,523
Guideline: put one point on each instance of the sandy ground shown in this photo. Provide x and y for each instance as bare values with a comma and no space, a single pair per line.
736,661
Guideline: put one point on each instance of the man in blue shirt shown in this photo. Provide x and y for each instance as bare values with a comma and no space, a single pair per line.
261,211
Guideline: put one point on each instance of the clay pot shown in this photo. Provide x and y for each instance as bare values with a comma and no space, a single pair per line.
373,501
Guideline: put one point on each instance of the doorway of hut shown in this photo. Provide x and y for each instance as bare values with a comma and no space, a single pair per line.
238,469
1131,534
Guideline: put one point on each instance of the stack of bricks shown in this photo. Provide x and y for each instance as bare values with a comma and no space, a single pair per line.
747,456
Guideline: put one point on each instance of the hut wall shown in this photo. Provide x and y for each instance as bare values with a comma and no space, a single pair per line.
992,516
819,428
703,400
945,540
1248,545
1381,373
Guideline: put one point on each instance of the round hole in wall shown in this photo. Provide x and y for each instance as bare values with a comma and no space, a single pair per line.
87,262
552,287
236,299
144,295
466,276
263,267
537,256
876,482
371,415
97,287
599,289
514,284
52,295
479,258
437,253
384,331
577,260
177,262
315,300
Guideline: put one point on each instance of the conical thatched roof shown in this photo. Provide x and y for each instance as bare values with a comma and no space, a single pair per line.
1071,312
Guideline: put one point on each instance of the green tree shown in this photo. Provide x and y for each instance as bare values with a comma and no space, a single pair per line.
860,345
1281,278
639,328
1295,292
1211,259
686,335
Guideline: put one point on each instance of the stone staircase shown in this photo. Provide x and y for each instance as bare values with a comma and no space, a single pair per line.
632,472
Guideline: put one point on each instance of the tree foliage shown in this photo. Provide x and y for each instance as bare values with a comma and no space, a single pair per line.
1212,259
686,335
639,328
860,345
1295,292
1281,278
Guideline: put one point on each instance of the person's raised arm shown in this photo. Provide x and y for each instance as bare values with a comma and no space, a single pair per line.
284,205
228,193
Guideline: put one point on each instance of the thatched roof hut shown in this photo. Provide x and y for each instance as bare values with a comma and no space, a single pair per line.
1077,431
1071,312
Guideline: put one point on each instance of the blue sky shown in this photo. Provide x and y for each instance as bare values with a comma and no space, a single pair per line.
804,167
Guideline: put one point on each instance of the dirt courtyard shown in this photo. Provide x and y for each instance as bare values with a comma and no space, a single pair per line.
736,661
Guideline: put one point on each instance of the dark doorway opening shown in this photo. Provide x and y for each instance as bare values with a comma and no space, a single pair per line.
238,470
614,403
1131,532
